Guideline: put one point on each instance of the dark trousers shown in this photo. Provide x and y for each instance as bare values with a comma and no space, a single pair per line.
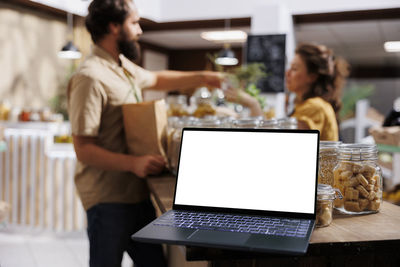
110,226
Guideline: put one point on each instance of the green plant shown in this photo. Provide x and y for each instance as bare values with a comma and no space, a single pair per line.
350,98
58,103
247,77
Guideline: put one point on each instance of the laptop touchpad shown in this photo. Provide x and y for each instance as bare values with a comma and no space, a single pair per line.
219,236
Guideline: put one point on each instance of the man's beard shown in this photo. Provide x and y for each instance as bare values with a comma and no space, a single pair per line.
129,48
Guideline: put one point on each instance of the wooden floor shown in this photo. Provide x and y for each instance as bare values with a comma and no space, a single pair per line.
24,247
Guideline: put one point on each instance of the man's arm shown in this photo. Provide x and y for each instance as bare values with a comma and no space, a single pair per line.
88,152
172,80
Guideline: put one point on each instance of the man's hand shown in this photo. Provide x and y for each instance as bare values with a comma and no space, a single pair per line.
90,153
143,166
213,79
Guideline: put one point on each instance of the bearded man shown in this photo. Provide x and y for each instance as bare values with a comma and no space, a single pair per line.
110,182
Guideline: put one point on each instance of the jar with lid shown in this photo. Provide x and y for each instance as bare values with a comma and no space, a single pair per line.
328,159
209,123
325,197
358,176
287,123
204,103
246,123
177,105
268,124
174,140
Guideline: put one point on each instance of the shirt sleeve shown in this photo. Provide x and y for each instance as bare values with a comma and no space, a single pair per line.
311,114
86,99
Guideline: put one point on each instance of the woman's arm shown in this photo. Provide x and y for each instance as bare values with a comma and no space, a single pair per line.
241,97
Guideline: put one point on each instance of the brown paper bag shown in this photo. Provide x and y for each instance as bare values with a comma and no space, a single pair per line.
146,127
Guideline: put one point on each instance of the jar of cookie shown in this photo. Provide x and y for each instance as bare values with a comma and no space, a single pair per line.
359,178
325,197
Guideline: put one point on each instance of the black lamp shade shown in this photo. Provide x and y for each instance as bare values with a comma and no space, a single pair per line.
69,51
226,57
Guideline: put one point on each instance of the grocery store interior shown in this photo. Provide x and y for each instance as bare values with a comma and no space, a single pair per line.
42,221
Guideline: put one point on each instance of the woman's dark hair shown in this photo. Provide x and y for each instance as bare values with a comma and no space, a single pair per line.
102,13
331,73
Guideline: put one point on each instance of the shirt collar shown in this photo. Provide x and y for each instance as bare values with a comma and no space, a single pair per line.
100,52
125,63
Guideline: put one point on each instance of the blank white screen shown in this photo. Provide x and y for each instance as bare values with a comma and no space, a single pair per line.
248,170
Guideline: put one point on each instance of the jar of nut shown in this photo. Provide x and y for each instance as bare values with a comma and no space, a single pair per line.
328,159
325,197
359,178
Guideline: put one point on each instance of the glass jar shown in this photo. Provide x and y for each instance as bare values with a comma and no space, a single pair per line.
287,123
209,123
174,140
328,159
359,178
268,124
177,105
325,197
246,123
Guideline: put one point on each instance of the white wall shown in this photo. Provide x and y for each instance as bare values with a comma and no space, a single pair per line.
154,61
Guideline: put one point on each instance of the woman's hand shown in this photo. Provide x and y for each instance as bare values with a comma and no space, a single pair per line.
241,97
213,79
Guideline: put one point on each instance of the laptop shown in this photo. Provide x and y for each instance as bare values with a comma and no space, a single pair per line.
242,189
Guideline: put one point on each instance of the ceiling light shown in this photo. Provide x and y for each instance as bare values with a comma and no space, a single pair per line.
69,50
392,46
226,57
233,36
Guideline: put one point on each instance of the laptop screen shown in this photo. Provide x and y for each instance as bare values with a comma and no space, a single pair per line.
271,170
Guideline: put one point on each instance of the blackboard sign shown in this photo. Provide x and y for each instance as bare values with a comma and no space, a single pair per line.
270,50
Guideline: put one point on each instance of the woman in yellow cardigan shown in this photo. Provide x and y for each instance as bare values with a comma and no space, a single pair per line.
316,77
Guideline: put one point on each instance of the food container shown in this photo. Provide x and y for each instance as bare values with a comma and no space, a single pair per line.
359,179
328,159
268,124
287,123
246,123
174,139
177,105
209,123
325,197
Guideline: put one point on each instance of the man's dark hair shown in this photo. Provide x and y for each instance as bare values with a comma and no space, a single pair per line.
102,13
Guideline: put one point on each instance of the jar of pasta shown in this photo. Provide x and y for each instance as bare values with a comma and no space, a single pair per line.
328,159
358,176
325,197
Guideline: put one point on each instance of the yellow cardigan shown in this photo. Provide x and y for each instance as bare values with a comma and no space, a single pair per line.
318,114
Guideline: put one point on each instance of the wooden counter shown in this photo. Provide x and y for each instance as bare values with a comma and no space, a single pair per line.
372,240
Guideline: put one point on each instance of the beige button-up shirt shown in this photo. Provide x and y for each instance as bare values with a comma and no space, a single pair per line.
96,93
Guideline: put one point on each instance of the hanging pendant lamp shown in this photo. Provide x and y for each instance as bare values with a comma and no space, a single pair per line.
69,50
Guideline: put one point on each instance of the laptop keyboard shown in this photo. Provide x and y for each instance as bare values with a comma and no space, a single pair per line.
236,223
